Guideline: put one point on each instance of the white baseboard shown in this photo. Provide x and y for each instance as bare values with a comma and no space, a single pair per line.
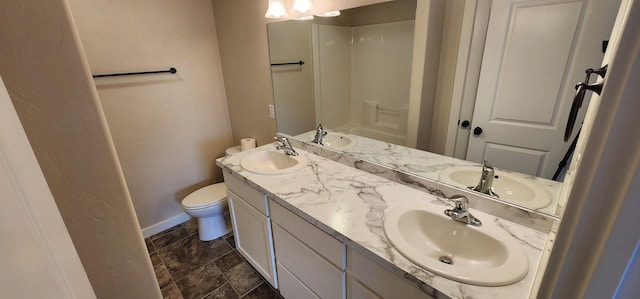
169,223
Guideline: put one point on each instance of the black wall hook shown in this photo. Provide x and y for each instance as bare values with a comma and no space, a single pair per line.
601,72
581,89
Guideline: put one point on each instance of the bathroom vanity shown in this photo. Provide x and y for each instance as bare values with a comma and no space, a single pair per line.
319,232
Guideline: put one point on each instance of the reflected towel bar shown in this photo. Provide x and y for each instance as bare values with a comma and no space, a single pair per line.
288,63
171,70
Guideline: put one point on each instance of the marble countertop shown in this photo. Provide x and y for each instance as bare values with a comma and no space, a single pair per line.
424,164
350,205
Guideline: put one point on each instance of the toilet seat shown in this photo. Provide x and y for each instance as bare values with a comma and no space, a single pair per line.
232,150
205,197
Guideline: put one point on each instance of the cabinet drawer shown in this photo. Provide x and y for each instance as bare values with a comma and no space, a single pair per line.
248,194
356,290
367,279
309,268
290,286
324,244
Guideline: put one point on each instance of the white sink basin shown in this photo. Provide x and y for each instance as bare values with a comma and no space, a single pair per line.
509,187
485,255
272,162
335,141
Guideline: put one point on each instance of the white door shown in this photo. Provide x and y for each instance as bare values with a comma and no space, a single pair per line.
535,52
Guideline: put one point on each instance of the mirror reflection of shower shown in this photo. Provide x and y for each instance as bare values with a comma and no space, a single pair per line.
355,79
372,99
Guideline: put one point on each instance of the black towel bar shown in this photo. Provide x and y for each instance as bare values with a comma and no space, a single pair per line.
288,63
171,70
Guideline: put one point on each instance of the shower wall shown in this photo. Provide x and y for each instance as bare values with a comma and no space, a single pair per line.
332,68
347,80
387,81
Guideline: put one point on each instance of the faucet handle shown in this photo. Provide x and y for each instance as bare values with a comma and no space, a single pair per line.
281,141
284,143
461,211
461,202
321,130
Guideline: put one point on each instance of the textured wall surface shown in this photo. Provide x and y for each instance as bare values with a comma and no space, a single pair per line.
244,51
39,259
48,81
167,129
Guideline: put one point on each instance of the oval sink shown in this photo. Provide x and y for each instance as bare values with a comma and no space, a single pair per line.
485,255
509,187
335,140
272,163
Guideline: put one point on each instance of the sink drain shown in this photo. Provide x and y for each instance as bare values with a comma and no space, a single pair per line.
447,260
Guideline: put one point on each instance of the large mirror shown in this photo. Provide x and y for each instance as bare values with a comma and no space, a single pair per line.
486,81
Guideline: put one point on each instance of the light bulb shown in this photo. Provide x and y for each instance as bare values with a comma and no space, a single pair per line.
334,13
276,10
302,6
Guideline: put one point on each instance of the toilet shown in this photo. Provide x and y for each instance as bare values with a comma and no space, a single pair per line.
209,205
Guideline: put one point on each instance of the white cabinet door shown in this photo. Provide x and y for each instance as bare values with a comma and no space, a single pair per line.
252,231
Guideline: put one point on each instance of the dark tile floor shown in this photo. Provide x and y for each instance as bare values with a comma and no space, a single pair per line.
188,268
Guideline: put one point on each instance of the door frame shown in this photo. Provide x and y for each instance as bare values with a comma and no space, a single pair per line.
465,85
596,250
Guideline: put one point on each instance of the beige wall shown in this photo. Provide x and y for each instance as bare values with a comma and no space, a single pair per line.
426,59
48,81
446,74
168,129
242,36
38,257
393,11
244,50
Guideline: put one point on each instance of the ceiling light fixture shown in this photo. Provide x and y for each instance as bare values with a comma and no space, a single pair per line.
276,10
334,13
302,6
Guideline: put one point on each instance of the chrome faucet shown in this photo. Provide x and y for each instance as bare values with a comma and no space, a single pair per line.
283,143
320,133
486,180
461,211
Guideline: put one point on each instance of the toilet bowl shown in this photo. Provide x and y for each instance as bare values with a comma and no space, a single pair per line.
209,205
232,150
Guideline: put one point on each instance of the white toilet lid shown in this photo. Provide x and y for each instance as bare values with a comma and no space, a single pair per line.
232,150
206,196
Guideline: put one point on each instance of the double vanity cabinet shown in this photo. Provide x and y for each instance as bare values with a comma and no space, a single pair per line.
322,231
301,260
